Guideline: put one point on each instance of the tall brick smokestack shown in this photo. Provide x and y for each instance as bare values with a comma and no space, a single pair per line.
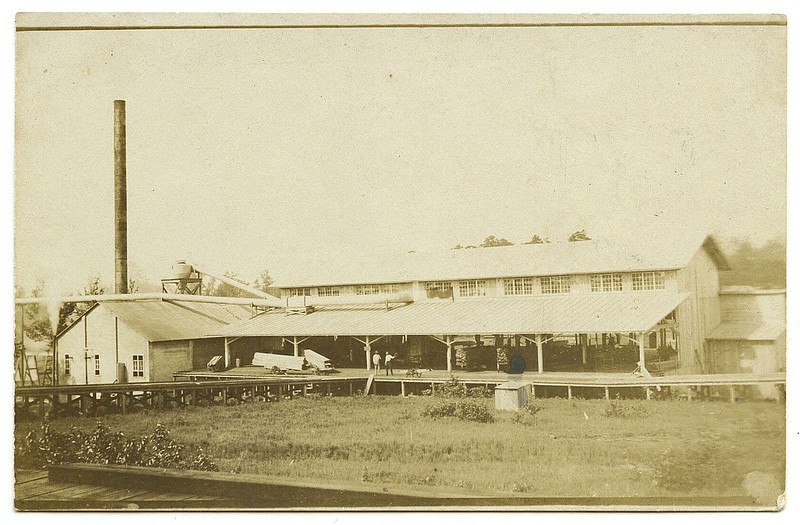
120,201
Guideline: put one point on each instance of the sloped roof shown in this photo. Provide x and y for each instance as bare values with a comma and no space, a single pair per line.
171,321
611,312
747,332
506,261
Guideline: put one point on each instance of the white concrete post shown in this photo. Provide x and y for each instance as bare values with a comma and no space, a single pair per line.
539,354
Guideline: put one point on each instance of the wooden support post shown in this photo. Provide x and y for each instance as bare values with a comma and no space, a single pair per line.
539,354
123,402
533,391
305,389
606,392
227,354
449,342
584,348
733,394
224,396
433,388
329,388
569,391
647,392
642,368
689,396
403,388
296,346
350,385
368,352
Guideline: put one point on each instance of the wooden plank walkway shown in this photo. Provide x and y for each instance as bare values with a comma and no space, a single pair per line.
33,490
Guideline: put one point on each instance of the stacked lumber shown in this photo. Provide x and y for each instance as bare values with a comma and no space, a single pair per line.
279,361
318,361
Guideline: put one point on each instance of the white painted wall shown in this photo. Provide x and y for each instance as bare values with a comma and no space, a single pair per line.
96,331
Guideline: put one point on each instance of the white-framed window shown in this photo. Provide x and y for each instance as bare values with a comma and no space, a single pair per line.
518,286
607,282
299,292
97,364
471,288
138,366
367,289
67,365
649,281
328,291
390,288
556,284
439,285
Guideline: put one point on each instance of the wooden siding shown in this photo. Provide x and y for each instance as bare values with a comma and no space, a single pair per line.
113,341
699,314
753,308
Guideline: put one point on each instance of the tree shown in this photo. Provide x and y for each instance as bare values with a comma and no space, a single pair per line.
492,241
71,312
579,235
35,318
263,282
763,267
536,239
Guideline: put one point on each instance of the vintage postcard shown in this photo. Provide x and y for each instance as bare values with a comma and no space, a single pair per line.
400,262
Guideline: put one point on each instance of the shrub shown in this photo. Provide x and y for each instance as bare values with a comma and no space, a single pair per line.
464,410
626,410
106,447
526,415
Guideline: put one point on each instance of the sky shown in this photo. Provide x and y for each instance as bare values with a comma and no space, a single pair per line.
254,149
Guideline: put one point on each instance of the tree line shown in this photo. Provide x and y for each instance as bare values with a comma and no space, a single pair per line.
493,241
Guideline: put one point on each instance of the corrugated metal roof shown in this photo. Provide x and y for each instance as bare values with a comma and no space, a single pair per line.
506,261
171,321
747,332
612,312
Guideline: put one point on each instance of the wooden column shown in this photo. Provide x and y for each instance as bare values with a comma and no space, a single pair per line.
368,352
584,348
227,354
642,368
296,346
539,354
449,342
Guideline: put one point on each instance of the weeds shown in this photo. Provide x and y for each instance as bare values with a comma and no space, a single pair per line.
109,448
695,468
626,410
464,410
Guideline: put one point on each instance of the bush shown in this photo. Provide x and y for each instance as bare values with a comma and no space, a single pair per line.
526,415
626,410
453,388
109,448
464,410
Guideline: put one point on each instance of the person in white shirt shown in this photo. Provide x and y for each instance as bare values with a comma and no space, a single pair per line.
388,362
376,362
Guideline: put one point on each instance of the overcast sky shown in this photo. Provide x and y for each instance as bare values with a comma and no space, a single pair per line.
255,149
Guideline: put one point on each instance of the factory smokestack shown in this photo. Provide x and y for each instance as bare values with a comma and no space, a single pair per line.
120,201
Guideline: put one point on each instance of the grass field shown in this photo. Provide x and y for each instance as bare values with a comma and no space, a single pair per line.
569,448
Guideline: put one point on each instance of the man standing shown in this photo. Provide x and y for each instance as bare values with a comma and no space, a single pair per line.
376,362
388,362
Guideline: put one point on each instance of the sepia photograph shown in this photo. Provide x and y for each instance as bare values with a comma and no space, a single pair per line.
338,262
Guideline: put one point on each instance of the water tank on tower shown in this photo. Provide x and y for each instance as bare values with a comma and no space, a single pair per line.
185,280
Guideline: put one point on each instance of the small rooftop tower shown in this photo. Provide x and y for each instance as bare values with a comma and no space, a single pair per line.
185,280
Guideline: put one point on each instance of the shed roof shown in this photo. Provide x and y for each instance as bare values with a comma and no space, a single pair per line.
506,261
611,312
171,321
747,332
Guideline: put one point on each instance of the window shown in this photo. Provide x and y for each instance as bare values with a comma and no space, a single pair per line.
648,281
299,292
519,286
439,289
607,282
328,291
67,365
472,288
556,283
97,364
390,288
138,366
368,289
